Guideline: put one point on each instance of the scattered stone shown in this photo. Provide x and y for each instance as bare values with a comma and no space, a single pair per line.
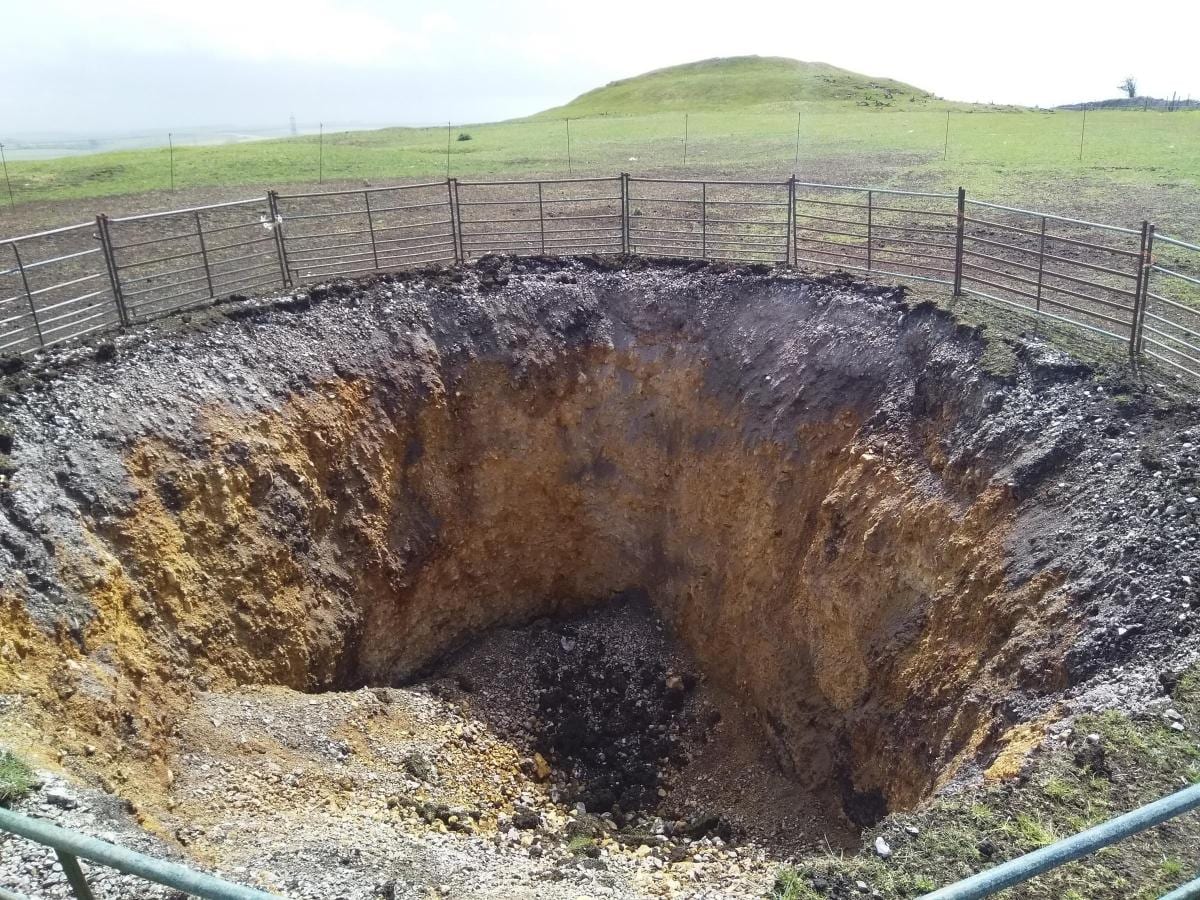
60,797
419,767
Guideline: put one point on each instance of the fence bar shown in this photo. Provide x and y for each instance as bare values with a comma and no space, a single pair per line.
1178,243
1189,891
1023,868
28,293
1028,212
128,861
188,209
961,220
70,867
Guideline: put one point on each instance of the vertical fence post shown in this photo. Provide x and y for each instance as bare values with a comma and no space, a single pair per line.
455,219
625,212
204,254
371,229
1140,293
570,170
1082,132
277,229
28,293
1041,266
114,275
12,203
704,220
541,221
870,224
796,161
790,253
1149,270
958,241
70,867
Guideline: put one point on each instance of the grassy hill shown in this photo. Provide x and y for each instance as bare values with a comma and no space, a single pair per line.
760,116
739,83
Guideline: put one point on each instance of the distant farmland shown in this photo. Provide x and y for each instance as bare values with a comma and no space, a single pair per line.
743,116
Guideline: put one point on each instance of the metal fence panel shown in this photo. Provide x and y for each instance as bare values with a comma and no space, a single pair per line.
564,217
369,230
735,221
1080,273
1124,284
1170,329
904,234
54,285
182,259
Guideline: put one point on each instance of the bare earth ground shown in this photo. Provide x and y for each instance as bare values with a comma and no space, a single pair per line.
1091,196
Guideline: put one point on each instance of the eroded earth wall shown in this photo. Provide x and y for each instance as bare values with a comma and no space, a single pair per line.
816,482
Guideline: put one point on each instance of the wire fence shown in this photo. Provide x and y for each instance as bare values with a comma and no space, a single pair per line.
745,142
1129,286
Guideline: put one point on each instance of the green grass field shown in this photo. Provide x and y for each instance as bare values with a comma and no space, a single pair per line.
742,118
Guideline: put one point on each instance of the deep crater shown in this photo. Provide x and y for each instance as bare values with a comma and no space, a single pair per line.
817,488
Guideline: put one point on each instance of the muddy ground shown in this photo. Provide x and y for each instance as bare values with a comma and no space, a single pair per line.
304,575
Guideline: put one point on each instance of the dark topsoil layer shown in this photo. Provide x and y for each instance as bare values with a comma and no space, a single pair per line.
627,725
1106,469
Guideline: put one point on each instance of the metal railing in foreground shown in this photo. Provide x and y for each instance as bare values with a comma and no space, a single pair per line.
1130,286
71,846
1015,871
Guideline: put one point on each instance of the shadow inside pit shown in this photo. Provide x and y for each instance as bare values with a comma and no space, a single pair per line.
611,713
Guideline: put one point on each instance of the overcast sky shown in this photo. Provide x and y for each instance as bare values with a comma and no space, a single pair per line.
103,66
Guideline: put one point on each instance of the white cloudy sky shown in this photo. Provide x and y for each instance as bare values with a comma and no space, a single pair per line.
98,66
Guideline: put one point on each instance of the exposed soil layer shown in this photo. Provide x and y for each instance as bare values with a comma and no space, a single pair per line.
879,553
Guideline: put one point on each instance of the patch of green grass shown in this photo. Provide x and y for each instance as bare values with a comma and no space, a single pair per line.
580,844
1031,832
1172,868
736,83
742,119
1065,789
16,778
790,885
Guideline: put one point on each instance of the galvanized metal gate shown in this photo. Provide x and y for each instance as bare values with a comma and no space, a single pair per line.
1127,285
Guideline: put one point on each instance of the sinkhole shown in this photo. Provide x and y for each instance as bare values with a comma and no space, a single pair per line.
645,521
